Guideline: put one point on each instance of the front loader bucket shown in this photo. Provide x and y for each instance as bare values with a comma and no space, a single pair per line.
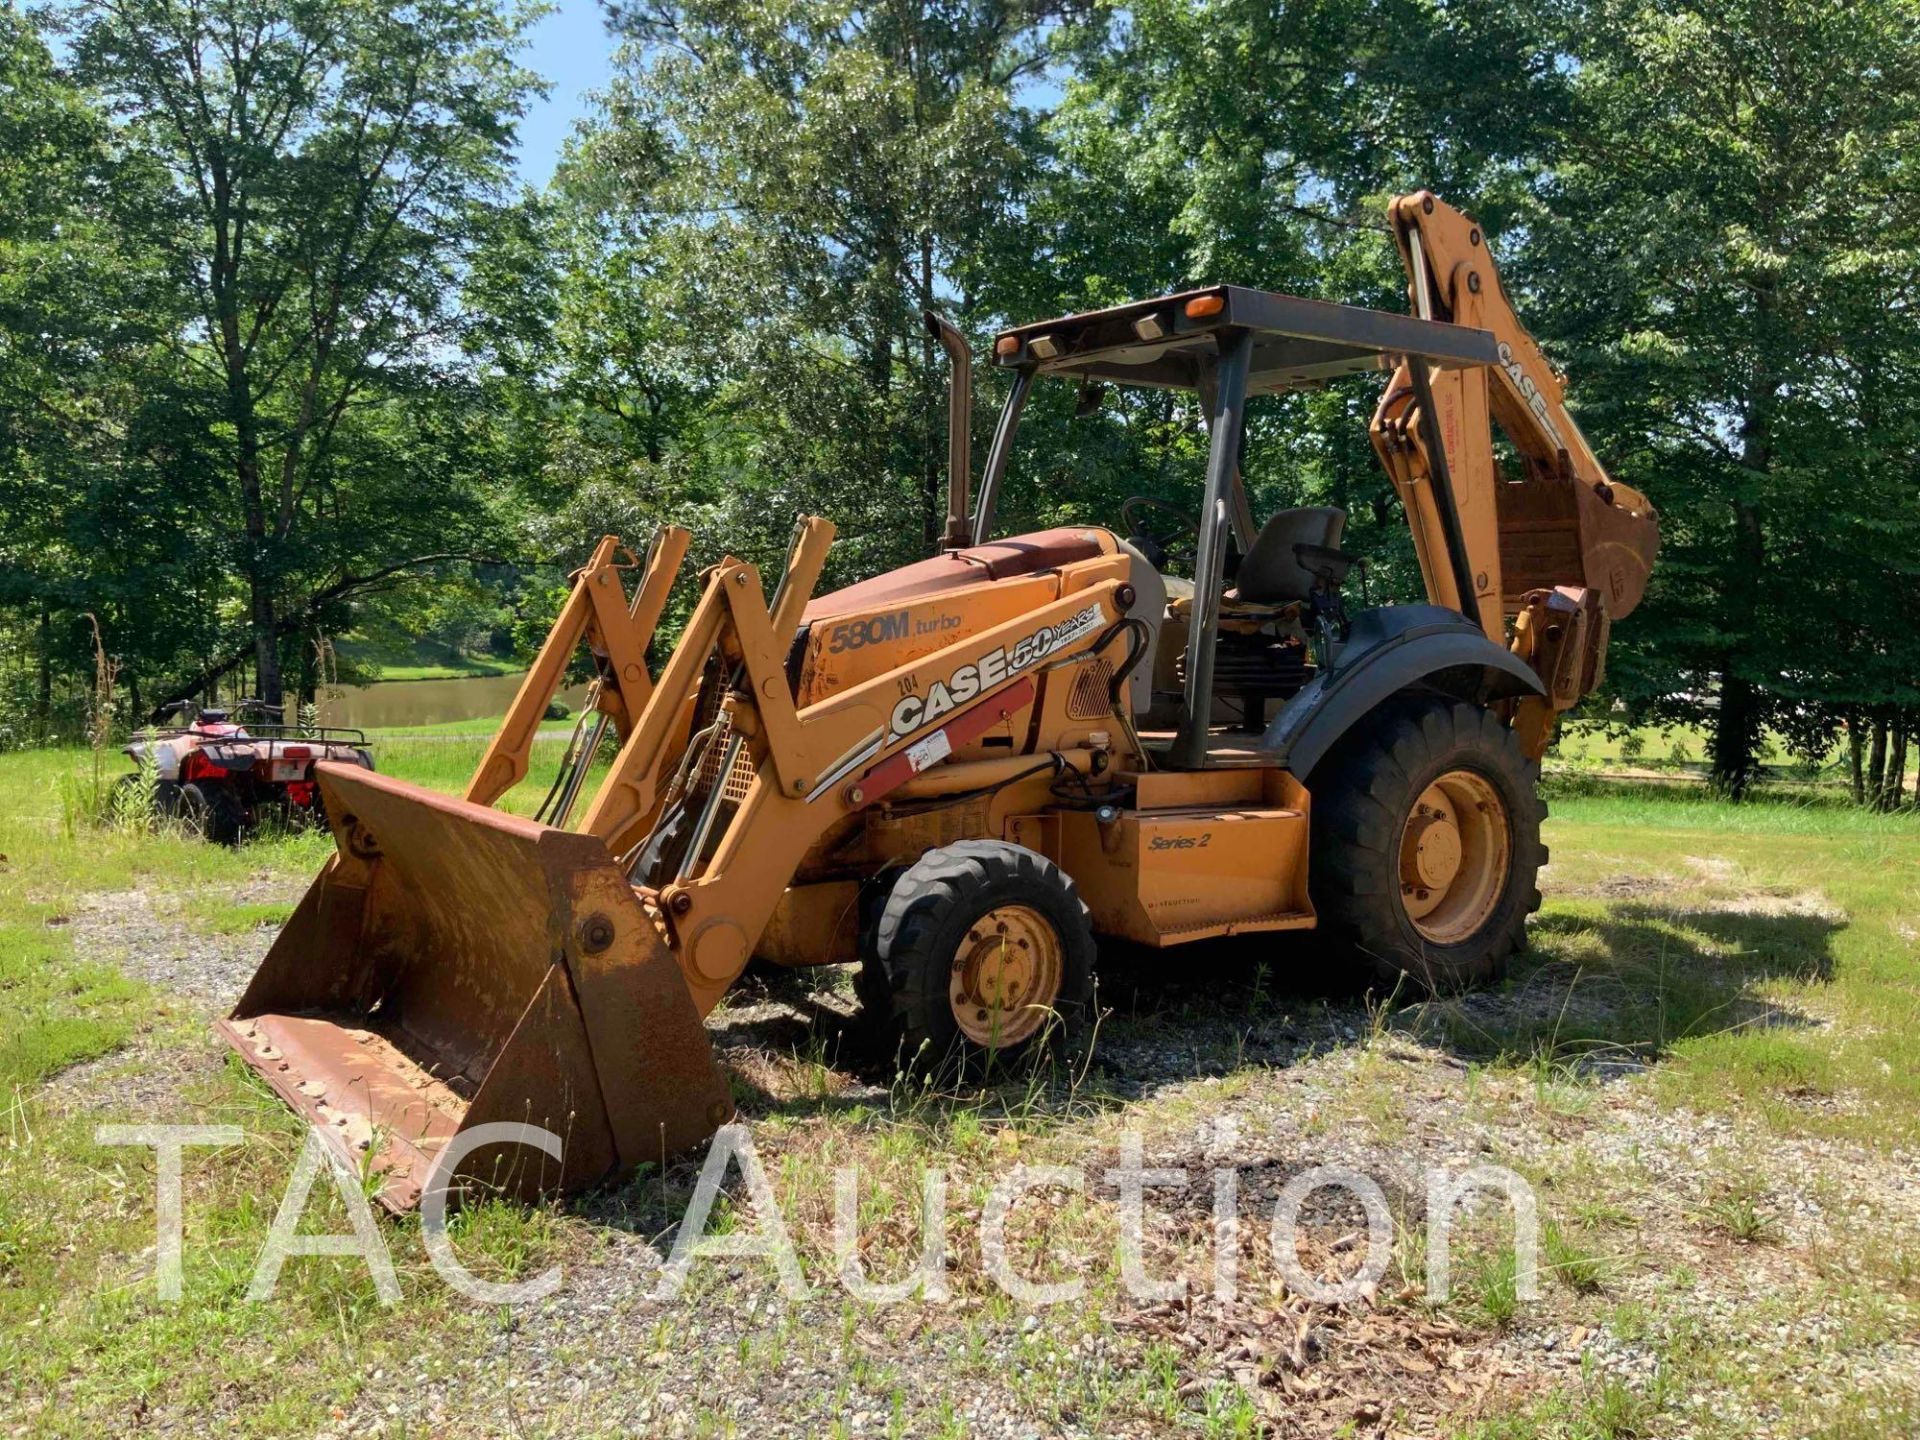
453,966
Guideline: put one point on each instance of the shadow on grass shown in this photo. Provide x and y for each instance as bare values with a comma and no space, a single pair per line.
1611,988
1606,987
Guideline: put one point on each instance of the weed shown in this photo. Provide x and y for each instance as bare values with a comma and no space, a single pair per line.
1570,1261
1740,1216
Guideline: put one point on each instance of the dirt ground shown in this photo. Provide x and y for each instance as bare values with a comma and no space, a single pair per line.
1702,1269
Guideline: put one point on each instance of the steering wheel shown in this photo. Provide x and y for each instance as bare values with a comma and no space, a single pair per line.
1171,538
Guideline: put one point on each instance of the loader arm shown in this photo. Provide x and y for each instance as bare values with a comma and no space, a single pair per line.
615,630
1562,550
454,966
786,774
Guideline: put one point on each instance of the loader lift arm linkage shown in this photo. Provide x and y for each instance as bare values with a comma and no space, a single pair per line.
616,632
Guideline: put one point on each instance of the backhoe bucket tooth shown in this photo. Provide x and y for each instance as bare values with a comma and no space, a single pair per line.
453,966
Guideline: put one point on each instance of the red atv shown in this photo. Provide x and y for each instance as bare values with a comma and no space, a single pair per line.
219,776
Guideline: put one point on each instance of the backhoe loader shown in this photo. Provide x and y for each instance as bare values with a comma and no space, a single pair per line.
958,774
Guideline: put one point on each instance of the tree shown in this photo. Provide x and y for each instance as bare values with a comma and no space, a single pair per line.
331,165
1732,242
76,326
815,176
1239,141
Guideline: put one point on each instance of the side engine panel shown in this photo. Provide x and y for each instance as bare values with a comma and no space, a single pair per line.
851,648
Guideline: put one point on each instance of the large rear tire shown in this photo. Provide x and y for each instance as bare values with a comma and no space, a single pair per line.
213,811
982,954
1426,844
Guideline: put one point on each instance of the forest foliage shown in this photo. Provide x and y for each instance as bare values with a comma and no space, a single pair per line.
289,356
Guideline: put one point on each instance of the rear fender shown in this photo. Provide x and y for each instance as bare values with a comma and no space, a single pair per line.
1396,648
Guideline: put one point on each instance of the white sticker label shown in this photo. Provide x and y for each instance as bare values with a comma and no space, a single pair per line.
924,754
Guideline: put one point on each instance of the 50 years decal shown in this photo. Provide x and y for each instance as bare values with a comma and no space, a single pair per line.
916,712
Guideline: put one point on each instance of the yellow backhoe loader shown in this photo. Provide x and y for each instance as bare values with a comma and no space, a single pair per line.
960,773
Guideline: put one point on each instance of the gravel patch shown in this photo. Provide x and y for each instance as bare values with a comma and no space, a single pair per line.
1214,1075
127,929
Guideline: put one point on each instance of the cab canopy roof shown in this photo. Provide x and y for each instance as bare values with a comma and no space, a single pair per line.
1169,343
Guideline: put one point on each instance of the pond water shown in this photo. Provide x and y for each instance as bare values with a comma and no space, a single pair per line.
430,702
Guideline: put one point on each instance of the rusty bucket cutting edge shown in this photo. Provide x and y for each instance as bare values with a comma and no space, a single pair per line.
453,966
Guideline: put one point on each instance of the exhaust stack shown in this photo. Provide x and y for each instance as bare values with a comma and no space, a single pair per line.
959,531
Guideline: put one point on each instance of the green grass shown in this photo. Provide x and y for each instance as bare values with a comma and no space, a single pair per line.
1723,943
460,668
58,1011
426,660
482,728
1757,961
1598,1409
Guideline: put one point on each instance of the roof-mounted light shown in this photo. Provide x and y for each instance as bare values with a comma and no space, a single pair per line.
1043,346
1006,345
1203,306
1150,327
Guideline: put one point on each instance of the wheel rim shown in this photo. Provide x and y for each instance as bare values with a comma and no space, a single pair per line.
1456,851
1006,976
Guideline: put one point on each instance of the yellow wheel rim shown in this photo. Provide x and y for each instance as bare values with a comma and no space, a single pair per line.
1456,851
1006,976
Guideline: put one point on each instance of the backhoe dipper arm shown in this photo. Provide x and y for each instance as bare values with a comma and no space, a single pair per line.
1564,549
597,610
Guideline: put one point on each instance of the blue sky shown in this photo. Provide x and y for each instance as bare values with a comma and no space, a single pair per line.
572,50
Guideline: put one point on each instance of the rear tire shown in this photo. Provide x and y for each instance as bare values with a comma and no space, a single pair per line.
212,810
1426,844
983,952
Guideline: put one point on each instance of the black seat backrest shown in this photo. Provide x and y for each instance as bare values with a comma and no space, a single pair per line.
1272,574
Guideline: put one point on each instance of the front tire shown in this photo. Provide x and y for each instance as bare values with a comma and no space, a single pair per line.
983,951
1426,844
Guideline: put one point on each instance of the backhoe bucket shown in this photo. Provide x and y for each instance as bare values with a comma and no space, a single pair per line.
453,966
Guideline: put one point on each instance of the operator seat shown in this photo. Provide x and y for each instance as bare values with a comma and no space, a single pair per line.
1271,573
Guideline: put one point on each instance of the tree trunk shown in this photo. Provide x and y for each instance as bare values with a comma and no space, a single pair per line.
1854,757
43,703
1877,758
1736,735
1897,762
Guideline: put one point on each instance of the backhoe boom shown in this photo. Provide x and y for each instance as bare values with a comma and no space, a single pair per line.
1562,550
